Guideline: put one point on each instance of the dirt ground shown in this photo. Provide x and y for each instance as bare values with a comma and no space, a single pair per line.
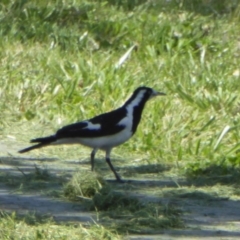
205,217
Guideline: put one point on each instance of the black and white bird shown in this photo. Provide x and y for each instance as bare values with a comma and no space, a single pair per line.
104,131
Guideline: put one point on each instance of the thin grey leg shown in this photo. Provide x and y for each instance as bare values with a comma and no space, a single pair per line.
111,166
92,158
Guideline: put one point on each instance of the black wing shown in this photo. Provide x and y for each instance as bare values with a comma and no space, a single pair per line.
107,121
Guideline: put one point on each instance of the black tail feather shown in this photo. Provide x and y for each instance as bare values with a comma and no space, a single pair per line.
32,147
45,140
42,142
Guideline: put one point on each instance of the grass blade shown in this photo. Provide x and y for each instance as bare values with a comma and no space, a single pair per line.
224,131
125,56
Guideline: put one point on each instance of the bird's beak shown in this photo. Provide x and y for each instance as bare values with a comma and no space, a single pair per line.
161,94
155,93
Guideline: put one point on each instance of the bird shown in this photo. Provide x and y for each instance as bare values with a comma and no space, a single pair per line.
104,131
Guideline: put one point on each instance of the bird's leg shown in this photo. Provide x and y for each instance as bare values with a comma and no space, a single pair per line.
111,166
92,158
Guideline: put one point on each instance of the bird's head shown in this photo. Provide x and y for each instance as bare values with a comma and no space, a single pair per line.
147,93
142,95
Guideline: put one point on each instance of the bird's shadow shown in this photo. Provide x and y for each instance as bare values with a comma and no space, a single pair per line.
145,169
130,174
126,170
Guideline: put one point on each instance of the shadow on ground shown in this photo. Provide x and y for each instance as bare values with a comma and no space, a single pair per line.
213,174
35,185
58,210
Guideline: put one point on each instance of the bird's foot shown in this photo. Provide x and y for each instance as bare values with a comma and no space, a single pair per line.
119,180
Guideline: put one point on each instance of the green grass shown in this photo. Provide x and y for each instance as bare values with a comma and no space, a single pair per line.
31,226
60,62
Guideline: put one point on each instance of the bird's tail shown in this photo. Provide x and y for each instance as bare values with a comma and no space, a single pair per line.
42,142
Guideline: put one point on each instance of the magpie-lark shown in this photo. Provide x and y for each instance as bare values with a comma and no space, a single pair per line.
104,131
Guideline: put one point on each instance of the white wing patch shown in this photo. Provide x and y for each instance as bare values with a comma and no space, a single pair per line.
92,126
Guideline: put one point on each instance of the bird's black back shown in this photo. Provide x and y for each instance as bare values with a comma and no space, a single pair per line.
108,125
